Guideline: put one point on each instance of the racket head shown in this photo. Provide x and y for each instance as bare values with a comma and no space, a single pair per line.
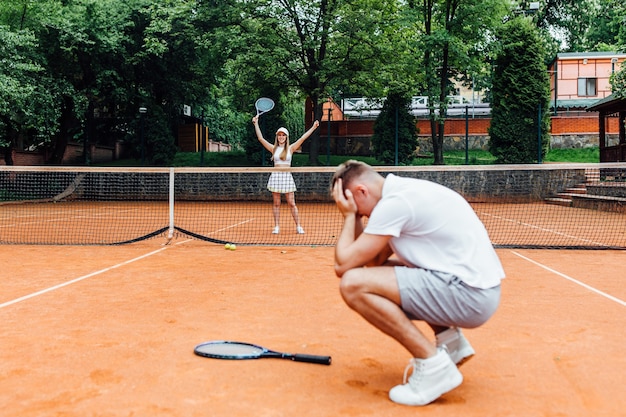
225,349
263,105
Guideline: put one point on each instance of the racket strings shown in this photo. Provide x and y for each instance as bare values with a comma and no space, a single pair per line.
264,104
230,349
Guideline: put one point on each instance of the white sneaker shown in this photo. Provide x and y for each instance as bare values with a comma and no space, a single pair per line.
456,344
300,230
276,230
430,379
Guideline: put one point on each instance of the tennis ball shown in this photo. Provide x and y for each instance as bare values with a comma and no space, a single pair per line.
233,246
227,246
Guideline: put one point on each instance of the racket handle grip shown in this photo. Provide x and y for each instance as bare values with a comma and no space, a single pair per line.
323,360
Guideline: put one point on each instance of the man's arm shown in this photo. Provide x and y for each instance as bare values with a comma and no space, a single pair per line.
354,248
366,250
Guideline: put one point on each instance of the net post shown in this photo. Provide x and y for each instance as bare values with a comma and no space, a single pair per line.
170,232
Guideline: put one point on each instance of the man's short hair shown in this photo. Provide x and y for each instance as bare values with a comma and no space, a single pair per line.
348,171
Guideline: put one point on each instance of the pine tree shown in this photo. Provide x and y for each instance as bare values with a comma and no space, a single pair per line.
384,137
520,95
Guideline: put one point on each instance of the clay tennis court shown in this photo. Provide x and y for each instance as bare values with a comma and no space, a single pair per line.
110,331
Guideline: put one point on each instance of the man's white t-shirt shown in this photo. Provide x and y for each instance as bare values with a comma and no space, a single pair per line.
435,228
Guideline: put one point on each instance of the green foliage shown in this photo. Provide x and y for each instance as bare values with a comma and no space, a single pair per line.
474,157
618,83
152,138
603,26
100,60
570,18
78,70
520,89
618,79
27,98
582,155
226,124
395,115
212,159
239,158
579,25
452,157
452,40
314,47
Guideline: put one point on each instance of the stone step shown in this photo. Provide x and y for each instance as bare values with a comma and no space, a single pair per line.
568,195
600,202
557,201
579,189
579,192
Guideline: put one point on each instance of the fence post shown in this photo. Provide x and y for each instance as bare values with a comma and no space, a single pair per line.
396,150
466,135
539,135
202,138
330,110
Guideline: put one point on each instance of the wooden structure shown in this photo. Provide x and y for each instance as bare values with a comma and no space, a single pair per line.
193,137
611,149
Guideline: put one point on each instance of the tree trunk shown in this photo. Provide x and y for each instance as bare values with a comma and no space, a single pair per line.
8,155
60,142
437,140
438,150
12,137
314,149
443,106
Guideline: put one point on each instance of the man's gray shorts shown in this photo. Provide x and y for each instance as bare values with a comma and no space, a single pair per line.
442,299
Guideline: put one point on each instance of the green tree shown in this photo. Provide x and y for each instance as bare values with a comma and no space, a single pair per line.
82,42
311,46
395,119
100,60
605,22
568,21
454,38
521,90
576,25
29,100
618,83
618,79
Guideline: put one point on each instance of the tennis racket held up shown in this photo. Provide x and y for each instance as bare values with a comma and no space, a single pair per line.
263,105
223,349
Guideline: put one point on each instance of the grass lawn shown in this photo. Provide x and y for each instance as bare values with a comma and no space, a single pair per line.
574,155
474,157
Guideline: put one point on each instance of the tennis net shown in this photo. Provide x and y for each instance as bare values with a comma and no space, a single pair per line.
580,206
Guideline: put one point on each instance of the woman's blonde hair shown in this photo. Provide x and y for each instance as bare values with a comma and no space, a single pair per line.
283,154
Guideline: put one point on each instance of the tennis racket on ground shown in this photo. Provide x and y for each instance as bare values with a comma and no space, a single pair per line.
263,105
223,349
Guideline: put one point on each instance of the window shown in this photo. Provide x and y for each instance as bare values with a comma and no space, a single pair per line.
587,87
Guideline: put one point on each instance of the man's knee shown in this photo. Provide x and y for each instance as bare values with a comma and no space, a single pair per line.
351,285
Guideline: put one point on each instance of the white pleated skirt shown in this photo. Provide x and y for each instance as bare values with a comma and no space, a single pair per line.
281,182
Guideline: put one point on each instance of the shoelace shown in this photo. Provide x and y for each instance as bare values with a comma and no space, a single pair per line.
416,364
413,364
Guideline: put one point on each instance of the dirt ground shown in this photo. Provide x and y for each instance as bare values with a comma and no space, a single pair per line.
110,331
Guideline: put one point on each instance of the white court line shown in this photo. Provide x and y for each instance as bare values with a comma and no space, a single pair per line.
232,226
64,284
575,281
56,287
543,229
